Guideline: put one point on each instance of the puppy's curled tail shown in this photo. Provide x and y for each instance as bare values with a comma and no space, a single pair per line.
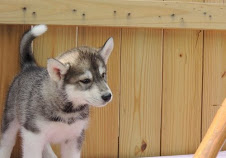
26,55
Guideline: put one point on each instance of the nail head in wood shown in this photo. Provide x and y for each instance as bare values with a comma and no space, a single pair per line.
24,8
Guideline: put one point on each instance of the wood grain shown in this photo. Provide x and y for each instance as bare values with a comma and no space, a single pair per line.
56,40
141,84
214,68
214,1
182,88
102,135
215,136
214,76
144,13
10,36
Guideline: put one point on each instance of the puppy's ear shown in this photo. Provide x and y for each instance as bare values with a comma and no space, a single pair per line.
106,50
56,69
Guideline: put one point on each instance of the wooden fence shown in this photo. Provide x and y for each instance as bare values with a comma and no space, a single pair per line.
167,85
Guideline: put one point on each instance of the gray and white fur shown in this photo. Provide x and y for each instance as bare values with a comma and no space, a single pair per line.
51,105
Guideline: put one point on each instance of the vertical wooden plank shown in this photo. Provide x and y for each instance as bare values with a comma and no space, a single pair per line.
10,36
214,79
181,108
182,88
56,40
141,85
102,135
214,1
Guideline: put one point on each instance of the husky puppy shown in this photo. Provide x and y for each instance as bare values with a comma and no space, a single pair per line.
51,105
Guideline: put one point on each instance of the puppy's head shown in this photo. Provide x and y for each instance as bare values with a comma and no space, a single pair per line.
82,73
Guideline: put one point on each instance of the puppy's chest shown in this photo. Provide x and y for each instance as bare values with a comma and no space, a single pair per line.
56,132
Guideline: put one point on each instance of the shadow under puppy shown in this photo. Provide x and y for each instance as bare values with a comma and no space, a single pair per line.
52,105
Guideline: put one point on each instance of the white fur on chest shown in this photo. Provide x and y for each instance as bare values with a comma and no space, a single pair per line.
57,132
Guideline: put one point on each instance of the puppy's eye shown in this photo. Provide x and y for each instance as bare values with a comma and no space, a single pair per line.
86,81
103,75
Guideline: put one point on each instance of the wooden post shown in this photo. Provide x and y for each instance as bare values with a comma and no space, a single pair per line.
215,136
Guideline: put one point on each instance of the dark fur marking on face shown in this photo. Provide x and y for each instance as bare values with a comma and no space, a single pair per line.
72,75
89,59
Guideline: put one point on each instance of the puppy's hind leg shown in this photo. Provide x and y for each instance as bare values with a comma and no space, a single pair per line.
8,137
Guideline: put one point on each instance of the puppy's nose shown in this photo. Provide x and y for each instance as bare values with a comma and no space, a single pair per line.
106,97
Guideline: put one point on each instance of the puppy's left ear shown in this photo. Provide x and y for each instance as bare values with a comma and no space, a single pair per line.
56,69
106,50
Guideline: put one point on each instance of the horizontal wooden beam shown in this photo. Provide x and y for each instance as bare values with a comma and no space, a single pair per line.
117,13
